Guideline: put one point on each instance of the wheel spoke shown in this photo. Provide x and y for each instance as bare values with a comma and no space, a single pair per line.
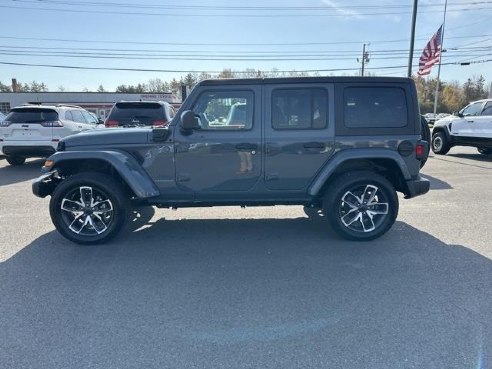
102,207
86,196
378,208
351,200
367,222
74,207
351,217
369,194
97,225
81,224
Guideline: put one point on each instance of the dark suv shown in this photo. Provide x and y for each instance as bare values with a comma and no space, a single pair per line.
345,145
140,114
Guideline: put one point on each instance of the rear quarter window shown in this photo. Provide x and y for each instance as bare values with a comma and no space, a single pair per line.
374,107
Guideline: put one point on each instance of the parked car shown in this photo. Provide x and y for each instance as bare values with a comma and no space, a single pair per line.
140,114
472,126
342,144
430,118
35,130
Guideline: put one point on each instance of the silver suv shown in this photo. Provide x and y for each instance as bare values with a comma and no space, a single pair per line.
35,130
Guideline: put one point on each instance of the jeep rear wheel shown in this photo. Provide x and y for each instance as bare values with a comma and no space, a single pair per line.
15,160
440,144
361,205
88,208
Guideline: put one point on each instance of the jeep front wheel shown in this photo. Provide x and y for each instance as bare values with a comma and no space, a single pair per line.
88,208
440,144
361,205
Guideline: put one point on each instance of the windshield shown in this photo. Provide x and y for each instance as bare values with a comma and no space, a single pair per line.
32,115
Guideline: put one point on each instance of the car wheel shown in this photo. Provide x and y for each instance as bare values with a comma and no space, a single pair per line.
361,205
426,136
15,160
440,144
484,151
89,208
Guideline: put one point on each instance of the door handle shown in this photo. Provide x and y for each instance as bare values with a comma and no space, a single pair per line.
314,145
246,146
470,121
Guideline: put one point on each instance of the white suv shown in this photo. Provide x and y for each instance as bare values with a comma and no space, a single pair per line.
472,126
35,130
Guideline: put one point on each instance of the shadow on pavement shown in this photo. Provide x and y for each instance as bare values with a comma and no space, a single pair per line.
13,174
477,157
436,183
269,293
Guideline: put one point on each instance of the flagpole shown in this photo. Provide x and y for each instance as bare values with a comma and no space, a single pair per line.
440,57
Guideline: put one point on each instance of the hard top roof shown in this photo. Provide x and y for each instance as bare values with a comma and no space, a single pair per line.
293,80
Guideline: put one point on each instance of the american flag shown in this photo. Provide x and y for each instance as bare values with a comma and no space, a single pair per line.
431,54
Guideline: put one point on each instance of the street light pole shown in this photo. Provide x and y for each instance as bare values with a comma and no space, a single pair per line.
412,38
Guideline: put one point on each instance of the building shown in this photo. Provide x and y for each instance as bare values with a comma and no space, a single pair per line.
99,103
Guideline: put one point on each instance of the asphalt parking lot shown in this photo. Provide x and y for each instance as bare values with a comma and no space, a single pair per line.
253,288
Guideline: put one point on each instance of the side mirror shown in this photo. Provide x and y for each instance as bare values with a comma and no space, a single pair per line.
100,121
189,121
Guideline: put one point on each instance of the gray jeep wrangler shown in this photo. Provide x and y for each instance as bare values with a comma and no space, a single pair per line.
345,145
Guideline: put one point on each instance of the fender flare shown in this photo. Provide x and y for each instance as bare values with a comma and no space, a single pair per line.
445,129
125,165
363,154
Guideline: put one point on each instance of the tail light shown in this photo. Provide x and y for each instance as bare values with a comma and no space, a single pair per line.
419,151
55,123
159,123
111,123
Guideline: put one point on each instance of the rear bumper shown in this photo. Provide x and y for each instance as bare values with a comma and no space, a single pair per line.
28,151
417,187
44,184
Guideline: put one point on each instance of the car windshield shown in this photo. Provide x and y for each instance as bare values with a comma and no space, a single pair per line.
124,111
31,115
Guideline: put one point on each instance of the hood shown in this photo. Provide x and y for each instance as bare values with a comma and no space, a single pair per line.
445,120
109,136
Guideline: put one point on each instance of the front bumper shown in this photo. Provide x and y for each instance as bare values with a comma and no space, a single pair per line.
45,184
417,187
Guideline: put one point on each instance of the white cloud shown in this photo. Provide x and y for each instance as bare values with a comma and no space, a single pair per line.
341,10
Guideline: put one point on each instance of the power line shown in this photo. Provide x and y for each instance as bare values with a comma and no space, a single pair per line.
202,71
229,44
240,15
228,8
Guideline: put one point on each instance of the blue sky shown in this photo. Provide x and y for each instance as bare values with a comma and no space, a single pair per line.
330,31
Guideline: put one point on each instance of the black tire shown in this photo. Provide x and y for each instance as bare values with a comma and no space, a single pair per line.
426,136
484,150
15,160
440,144
358,222
105,191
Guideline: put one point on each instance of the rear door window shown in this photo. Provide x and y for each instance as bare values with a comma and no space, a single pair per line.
78,117
31,115
299,108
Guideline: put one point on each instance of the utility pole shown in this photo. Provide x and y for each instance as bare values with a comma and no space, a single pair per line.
364,59
412,39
